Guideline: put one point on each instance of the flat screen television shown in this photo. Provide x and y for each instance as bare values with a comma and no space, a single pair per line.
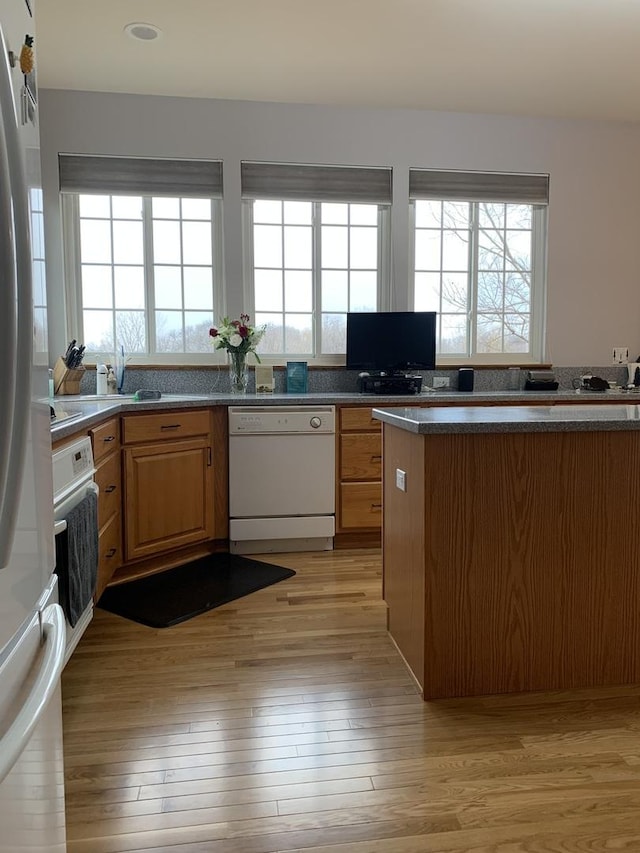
391,341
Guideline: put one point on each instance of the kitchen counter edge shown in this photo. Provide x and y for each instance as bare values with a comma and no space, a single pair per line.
512,418
94,411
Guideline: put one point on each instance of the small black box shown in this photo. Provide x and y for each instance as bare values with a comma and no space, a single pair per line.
465,379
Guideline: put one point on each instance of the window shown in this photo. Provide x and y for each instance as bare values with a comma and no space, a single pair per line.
41,343
479,258
142,267
317,247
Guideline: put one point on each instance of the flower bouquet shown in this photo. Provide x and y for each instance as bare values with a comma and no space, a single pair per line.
239,339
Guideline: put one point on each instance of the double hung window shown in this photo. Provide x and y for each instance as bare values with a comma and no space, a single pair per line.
317,246
479,261
142,248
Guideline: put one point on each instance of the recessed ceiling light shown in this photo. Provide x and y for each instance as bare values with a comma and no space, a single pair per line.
143,32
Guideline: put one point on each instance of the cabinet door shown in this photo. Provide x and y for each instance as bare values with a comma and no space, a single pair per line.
168,496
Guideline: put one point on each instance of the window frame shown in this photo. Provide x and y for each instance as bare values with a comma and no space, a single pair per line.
70,211
539,234
383,290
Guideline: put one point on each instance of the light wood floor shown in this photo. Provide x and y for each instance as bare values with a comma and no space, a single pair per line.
286,721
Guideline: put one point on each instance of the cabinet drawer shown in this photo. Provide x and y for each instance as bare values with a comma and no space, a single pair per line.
166,425
361,456
105,439
360,505
109,480
109,553
358,419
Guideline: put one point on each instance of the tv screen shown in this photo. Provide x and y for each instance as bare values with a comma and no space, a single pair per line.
391,341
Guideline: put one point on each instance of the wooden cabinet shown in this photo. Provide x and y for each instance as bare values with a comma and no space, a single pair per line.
359,481
168,481
105,440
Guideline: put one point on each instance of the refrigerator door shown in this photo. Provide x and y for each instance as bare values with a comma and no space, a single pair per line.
32,625
31,762
26,490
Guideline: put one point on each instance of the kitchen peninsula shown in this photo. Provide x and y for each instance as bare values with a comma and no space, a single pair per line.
510,546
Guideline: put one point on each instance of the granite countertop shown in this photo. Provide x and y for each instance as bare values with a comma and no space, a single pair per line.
85,411
503,419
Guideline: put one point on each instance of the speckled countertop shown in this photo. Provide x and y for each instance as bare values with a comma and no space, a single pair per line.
502,419
89,410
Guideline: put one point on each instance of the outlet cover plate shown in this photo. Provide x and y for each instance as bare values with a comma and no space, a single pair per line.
441,381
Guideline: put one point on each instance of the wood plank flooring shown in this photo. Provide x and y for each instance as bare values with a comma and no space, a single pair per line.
287,722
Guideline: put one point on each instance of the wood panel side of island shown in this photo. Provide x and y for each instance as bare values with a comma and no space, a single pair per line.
403,561
530,558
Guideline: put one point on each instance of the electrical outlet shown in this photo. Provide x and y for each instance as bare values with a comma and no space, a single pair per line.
401,480
620,355
441,381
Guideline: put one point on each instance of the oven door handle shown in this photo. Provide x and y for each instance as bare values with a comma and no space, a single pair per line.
61,525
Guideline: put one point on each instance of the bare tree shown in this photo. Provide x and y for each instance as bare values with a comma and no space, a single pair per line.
131,332
504,281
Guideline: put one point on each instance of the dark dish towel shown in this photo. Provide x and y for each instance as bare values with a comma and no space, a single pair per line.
77,558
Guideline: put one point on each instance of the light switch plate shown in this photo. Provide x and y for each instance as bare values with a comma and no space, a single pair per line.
401,480
441,381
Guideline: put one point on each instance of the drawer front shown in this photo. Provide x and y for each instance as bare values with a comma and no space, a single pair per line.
359,419
361,456
109,554
167,425
109,480
360,505
105,439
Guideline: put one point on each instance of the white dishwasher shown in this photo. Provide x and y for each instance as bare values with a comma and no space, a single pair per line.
281,478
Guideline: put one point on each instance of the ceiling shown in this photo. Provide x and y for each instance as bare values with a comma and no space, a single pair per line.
565,58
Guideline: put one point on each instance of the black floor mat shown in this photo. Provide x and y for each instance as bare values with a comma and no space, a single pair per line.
175,595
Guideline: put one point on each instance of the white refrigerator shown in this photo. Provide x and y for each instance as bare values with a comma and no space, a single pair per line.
32,625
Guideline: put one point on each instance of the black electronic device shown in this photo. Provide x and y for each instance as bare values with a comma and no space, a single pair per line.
541,380
383,383
391,342
465,379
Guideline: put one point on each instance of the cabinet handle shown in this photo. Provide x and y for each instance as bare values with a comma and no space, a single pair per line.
110,489
111,552
209,457
376,458
109,438
170,426
376,506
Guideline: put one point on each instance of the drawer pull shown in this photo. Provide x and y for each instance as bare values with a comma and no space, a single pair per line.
377,457
110,489
170,426
111,552
376,506
109,438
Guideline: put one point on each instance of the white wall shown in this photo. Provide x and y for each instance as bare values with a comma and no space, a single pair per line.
594,216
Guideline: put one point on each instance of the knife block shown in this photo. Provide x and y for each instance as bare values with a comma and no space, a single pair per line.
66,381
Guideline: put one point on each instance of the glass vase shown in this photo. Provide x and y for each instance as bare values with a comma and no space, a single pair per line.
238,372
